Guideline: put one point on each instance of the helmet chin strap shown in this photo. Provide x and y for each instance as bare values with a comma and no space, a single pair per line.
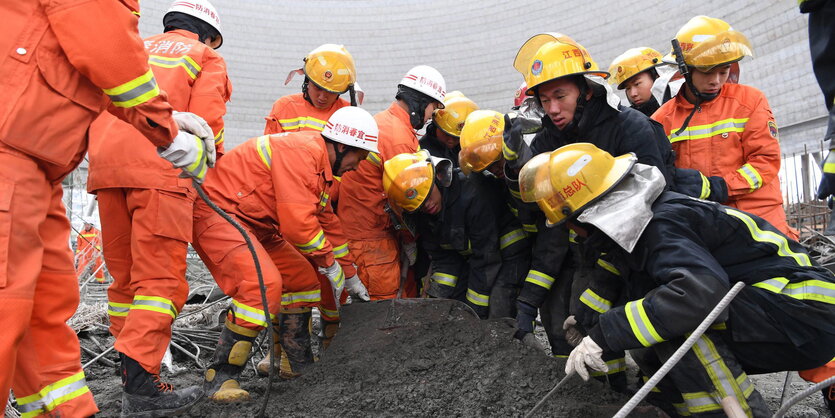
337,163
688,80
353,95
305,94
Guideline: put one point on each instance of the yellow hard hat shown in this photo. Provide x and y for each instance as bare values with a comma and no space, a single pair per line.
522,62
481,140
451,118
557,59
632,62
330,67
408,179
707,42
566,180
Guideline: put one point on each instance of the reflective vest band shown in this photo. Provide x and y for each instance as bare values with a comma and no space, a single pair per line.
340,251
185,61
770,237
53,395
249,314
477,298
134,92
615,366
265,151
595,302
118,309
641,326
752,176
817,290
709,130
540,279
511,238
317,243
444,279
302,122
154,304
311,296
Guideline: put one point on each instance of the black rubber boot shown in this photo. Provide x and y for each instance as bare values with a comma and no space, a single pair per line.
146,396
829,398
294,337
233,349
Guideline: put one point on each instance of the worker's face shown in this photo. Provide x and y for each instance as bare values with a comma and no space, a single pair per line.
710,82
497,168
321,98
448,140
433,202
559,100
350,161
638,89
430,109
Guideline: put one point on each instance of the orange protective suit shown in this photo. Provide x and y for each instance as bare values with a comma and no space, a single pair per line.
88,252
52,91
374,244
293,113
733,136
277,187
144,205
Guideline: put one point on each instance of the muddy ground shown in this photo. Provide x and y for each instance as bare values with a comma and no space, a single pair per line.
410,358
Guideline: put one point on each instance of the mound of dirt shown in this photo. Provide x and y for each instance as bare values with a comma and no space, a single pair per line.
419,357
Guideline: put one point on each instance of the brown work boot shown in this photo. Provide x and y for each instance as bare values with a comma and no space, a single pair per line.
146,396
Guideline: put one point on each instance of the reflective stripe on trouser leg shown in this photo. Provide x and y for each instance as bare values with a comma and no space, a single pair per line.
247,316
53,395
708,373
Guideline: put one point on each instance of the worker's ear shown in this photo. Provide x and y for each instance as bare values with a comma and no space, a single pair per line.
215,42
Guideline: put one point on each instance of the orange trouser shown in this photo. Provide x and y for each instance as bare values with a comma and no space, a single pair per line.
378,265
227,256
90,259
819,374
38,294
145,235
299,284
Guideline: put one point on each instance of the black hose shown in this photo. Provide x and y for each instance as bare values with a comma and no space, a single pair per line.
261,285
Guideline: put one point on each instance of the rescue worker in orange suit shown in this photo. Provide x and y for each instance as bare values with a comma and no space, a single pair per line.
458,219
481,156
725,131
822,47
634,72
88,252
375,245
277,188
329,72
144,205
62,61
443,133
684,254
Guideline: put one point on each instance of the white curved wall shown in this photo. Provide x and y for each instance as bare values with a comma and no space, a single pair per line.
473,43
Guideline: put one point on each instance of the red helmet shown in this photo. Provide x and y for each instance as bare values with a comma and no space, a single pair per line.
520,95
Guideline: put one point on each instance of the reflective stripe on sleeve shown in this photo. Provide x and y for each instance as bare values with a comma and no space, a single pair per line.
540,279
511,238
317,243
608,266
594,301
770,237
642,328
752,176
340,251
265,151
134,92
302,122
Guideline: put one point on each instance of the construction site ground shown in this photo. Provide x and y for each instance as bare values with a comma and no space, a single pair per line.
416,358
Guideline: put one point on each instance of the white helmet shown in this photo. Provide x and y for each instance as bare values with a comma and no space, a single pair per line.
200,9
354,127
426,80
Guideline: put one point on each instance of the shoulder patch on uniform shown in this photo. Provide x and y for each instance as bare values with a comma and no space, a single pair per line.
772,127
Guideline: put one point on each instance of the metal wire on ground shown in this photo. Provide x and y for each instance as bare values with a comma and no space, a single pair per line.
545,398
817,387
263,288
674,359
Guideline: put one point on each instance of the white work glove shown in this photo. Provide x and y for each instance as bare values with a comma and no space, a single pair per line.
572,335
188,153
356,289
410,250
586,355
336,277
190,122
